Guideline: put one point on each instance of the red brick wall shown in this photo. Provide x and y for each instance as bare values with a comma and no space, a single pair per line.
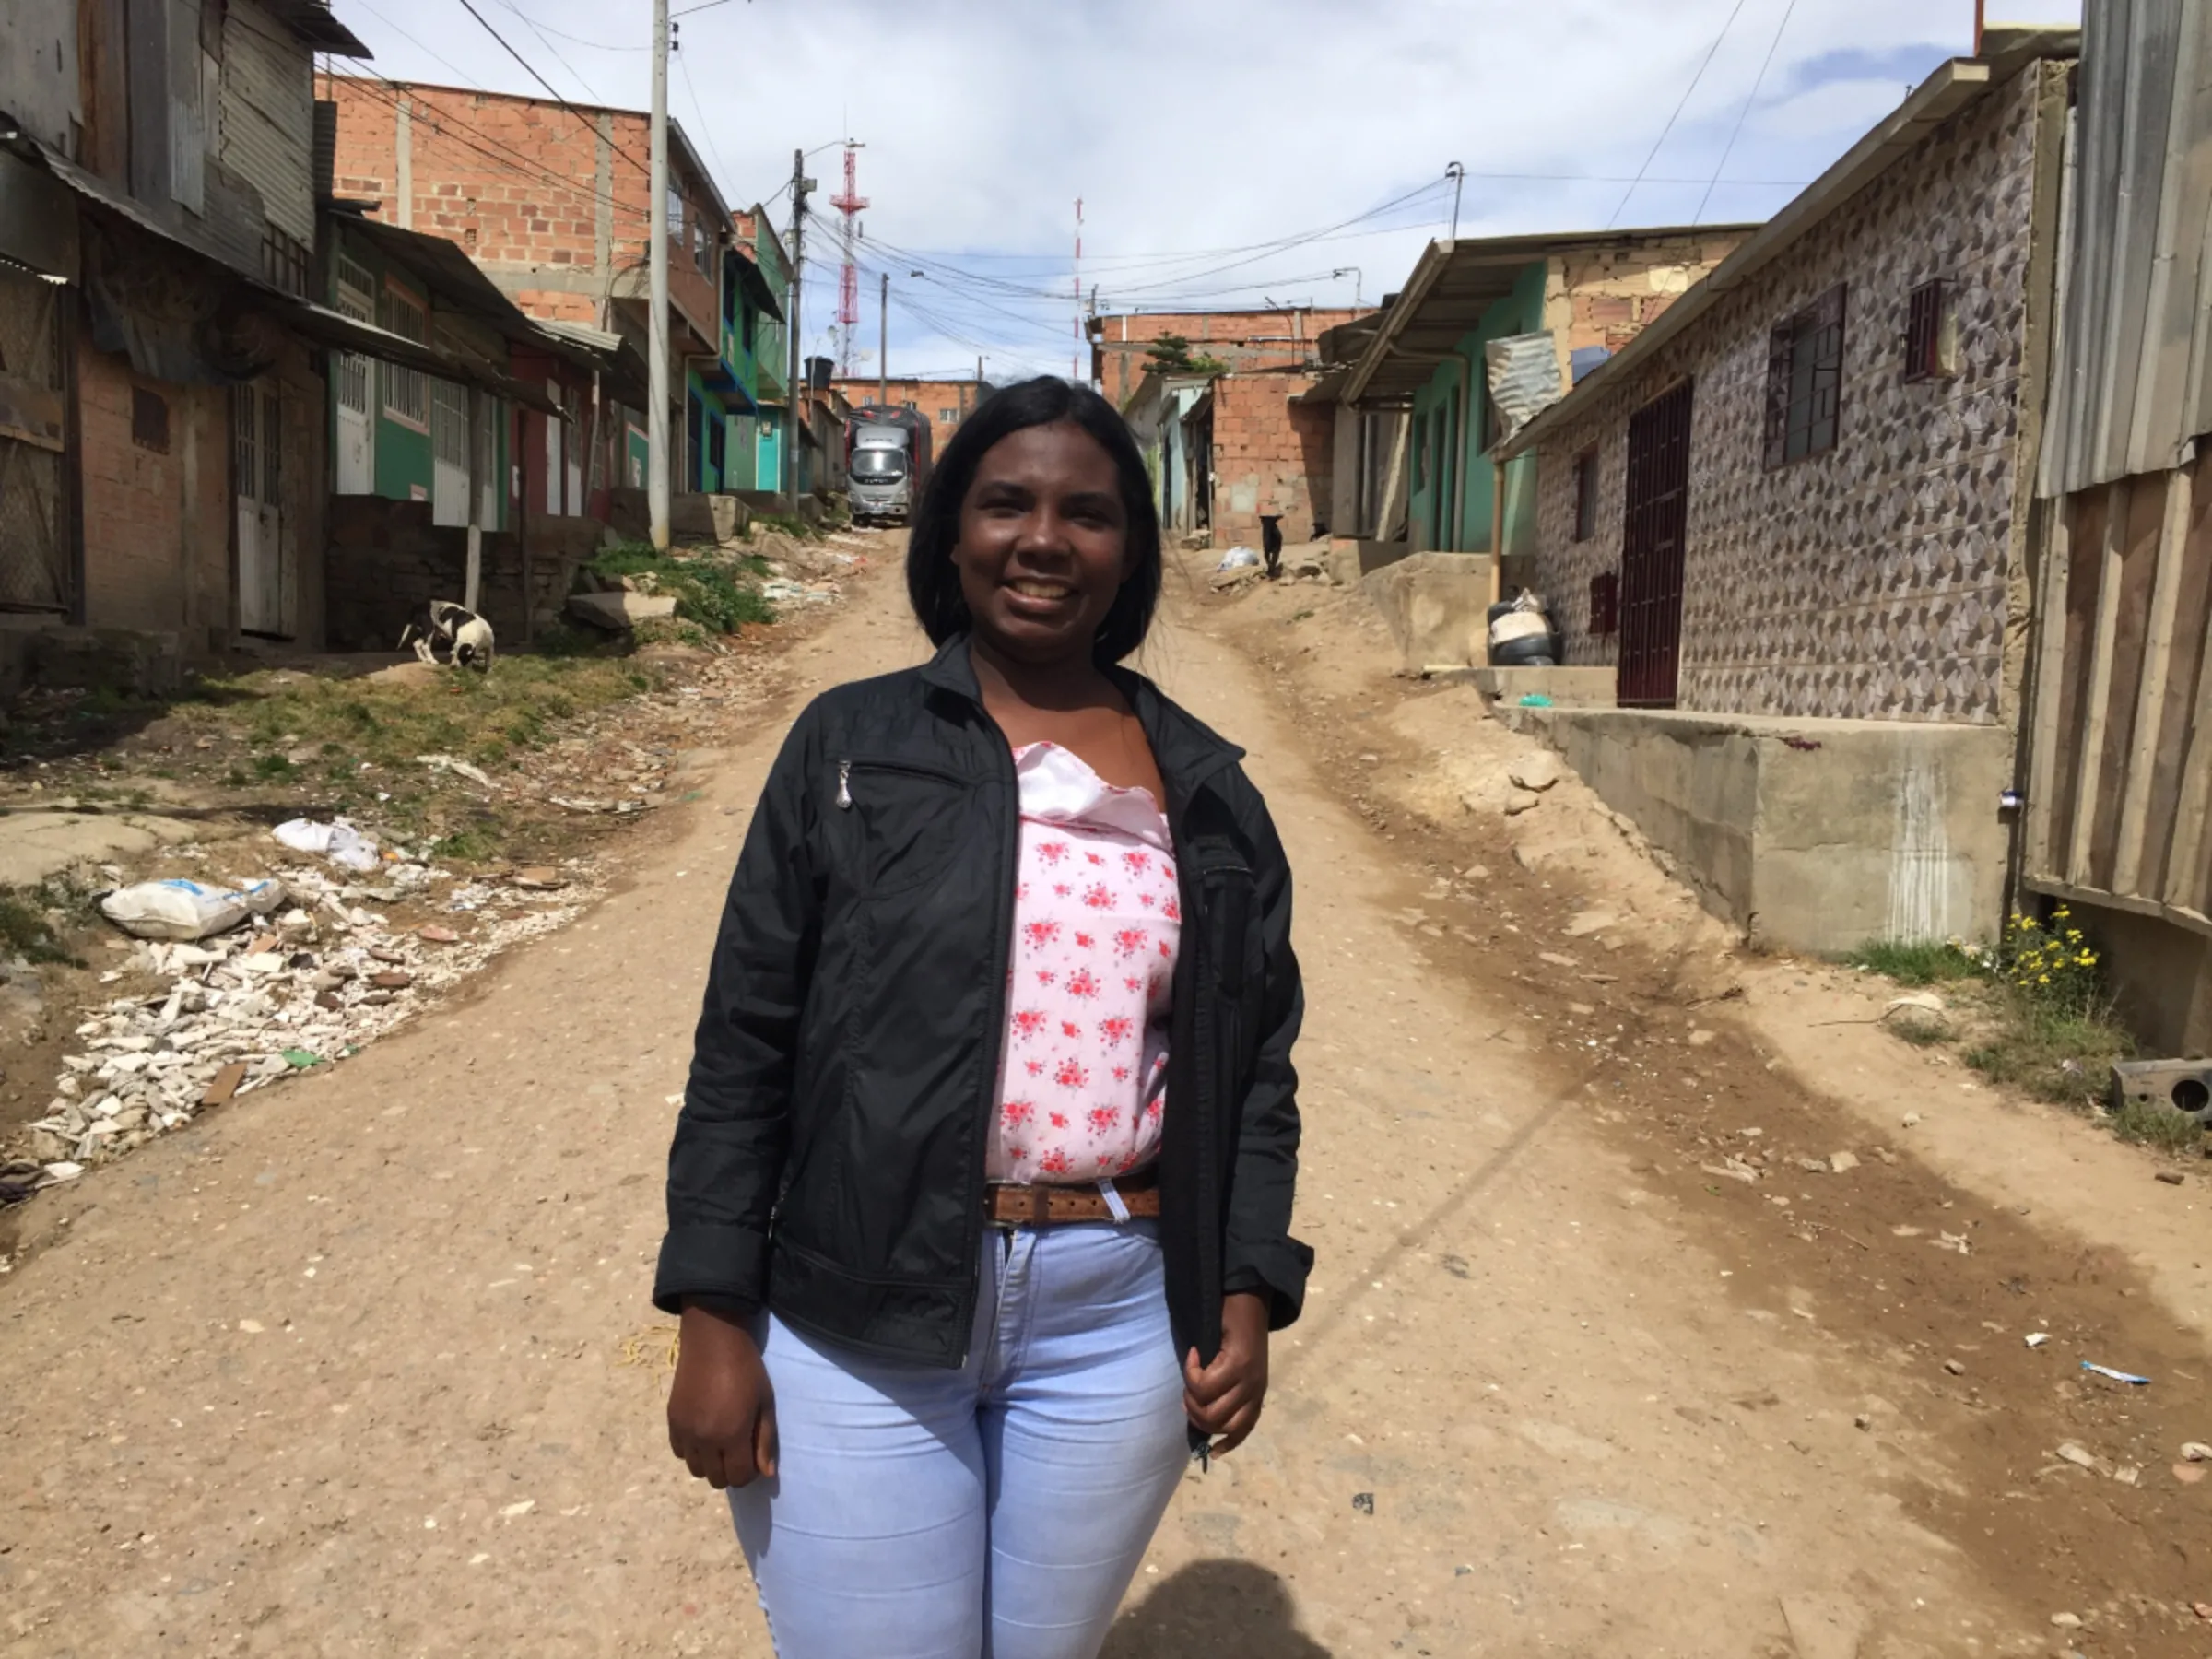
931,397
515,182
1257,339
157,525
1271,456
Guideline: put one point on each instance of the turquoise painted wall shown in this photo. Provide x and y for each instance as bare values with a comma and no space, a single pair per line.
1436,410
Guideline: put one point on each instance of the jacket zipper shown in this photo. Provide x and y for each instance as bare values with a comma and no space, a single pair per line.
996,1041
913,770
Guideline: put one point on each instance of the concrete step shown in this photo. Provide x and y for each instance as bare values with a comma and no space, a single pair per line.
1568,688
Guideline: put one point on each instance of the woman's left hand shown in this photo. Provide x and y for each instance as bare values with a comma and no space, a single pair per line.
1224,1398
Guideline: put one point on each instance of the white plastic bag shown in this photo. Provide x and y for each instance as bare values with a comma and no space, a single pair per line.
1236,558
338,841
183,910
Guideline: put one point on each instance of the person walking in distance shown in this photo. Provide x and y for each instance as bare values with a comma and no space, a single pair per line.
979,1203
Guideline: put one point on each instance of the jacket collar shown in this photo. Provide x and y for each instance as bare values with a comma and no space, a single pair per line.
1187,751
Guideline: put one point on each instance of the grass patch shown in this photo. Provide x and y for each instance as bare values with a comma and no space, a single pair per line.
484,717
784,524
1927,962
719,595
2062,1055
2151,1126
26,932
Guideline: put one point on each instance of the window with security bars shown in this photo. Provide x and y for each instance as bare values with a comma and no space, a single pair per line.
1605,604
1805,381
149,420
1931,334
406,391
1586,495
285,260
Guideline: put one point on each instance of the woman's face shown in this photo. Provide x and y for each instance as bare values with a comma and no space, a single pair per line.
1044,542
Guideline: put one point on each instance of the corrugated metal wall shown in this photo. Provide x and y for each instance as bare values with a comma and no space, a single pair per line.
268,115
2132,385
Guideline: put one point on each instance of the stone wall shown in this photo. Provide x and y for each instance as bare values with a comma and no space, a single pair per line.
386,558
1869,581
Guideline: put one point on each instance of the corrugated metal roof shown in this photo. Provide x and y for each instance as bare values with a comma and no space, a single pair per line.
2134,378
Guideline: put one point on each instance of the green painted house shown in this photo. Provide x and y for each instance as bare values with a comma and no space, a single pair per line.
1487,333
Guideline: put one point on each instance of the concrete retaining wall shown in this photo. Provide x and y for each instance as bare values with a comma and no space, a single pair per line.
1436,605
1812,835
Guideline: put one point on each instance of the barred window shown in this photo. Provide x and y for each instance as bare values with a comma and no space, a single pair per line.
1805,381
406,393
1931,332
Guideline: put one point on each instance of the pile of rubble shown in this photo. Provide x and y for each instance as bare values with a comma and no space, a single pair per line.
311,984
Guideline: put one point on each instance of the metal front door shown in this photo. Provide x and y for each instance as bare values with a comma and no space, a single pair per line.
356,385
34,515
257,482
1657,520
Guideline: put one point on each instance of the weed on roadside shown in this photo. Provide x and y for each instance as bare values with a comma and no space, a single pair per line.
2036,1014
1921,963
24,931
719,595
2152,1125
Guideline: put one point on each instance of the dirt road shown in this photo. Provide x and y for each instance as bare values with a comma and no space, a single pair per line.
365,1365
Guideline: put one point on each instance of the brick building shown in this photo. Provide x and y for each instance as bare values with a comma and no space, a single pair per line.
945,401
1265,454
1282,338
553,203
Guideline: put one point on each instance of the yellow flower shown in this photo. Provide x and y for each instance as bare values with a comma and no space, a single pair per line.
2061,914
2028,922
2042,979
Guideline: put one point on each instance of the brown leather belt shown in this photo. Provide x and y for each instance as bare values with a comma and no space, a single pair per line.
1008,1204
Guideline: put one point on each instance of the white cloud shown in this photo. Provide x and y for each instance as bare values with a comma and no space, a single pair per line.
1211,124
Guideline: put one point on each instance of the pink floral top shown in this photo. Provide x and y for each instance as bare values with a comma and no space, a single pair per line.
1097,921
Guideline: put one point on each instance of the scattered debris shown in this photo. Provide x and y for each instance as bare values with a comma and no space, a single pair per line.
1537,771
2195,1452
1840,1162
1926,1002
337,840
2037,1338
2117,1376
2066,1621
460,769
2081,1456
1364,1503
2171,1177
184,910
1955,1368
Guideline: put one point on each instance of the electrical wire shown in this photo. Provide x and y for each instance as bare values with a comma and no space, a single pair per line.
1749,98
1709,52
531,69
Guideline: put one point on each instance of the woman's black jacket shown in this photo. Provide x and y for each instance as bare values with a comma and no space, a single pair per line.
829,1159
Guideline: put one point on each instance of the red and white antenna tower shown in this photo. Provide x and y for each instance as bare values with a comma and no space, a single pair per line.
849,202
1074,358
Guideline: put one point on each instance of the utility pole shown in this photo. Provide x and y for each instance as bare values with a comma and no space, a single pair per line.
656,357
1457,173
883,346
800,185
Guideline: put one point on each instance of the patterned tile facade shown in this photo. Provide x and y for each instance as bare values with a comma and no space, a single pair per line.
1868,582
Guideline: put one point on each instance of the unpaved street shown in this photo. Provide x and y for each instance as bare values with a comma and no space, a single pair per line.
365,1365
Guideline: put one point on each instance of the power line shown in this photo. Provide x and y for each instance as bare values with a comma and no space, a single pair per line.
1669,127
1749,98
531,69
530,24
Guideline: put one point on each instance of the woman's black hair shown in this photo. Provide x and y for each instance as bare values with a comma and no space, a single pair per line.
932,582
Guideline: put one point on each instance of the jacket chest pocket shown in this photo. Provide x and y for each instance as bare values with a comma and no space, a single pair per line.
899,823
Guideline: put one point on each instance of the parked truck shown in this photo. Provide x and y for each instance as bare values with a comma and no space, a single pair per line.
887,462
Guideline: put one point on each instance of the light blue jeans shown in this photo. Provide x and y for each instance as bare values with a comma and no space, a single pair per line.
996,1511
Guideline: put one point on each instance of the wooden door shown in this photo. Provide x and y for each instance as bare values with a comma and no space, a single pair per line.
1656,521
35,566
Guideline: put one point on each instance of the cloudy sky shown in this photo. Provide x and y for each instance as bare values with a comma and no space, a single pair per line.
1227,152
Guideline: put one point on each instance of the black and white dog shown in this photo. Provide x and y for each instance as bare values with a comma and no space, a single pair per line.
445,635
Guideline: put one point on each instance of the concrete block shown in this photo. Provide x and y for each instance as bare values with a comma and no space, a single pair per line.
1435,605
1812,835
1567,686
620,611
1351,557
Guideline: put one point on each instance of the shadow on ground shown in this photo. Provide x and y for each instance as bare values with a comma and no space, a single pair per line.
1214,1610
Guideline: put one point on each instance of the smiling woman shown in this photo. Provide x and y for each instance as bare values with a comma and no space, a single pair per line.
979,1207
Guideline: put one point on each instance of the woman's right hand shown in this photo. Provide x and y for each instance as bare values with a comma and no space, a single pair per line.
721,1412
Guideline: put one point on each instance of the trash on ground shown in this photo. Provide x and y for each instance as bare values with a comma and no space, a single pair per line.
2080,1455
446,763
2195,1452
1534,699
1926,1002
1364,1503
337,840
185,910
1238,559
2037,1338
2117,1376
